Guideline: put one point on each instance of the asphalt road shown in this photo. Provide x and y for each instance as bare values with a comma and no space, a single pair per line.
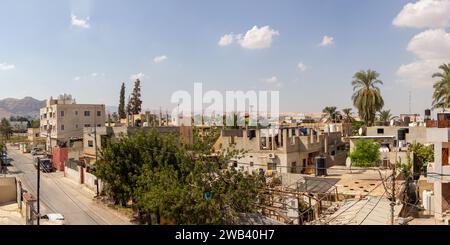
62,195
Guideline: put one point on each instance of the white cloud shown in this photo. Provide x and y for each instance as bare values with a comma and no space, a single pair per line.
255,38
432,48
77,78
418,74
139,76
226,40
326,41
258,38
5,66
424,14
160,59
80,22
431,44
270,80
302,67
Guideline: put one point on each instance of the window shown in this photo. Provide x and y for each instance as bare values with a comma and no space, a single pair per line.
62,127
87,113
87,125
76,125
99,125
61,113
251,164
380,131
90,143
99,113
294,167
76,113
272,166
235,164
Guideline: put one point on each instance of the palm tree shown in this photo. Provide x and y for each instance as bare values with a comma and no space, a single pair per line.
367,96
441,95
331,114
347,116
385,116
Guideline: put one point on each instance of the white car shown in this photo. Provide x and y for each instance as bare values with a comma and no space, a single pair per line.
52,219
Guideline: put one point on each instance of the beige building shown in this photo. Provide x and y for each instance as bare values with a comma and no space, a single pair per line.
94,139
288,150
63,119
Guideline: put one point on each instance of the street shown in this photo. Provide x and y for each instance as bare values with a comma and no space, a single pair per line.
62,195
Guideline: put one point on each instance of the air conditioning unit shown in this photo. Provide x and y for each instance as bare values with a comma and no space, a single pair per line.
271,155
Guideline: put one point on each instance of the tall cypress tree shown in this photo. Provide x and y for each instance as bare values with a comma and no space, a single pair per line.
135,101
122,113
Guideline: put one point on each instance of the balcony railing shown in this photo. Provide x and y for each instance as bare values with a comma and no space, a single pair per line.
438,124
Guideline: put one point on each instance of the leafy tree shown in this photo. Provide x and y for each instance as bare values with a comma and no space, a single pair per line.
365,154
356,125
115,117
5,129
367,96
121,110
385,116
441,95
331,114
135,102
347,116
186,184
423,154
35,123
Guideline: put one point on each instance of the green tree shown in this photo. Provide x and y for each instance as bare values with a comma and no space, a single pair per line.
35,123
367,96
331,114
135,102
441,95
385,116
5,129
347,115
121,110
365,154
186,184
423,154
356,125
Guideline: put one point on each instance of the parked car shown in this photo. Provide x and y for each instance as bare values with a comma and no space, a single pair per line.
37,151
5,160
52,219
46,164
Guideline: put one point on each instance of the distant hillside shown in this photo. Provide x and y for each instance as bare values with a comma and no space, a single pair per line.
27,106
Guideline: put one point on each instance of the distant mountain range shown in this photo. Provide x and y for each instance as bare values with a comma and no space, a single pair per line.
27,106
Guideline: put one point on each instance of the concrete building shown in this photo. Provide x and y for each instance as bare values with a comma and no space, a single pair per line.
412,134
62,119
95,139
438,172
288,150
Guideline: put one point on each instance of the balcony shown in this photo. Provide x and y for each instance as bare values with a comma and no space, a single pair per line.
438,124
442,176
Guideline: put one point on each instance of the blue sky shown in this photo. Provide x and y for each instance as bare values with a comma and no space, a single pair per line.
87,48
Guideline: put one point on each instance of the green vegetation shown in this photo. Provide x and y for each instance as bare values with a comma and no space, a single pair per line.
5,129
405,168
367,96
385,116
347,116
441,95
331,114
134,106
423,154
365,154
121,109
183,184
356,125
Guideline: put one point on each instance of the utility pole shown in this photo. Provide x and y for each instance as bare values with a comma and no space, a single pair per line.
38,188
95,147
393,201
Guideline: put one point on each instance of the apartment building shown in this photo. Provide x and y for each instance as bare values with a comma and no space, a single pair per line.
63,119
438,172
286,150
